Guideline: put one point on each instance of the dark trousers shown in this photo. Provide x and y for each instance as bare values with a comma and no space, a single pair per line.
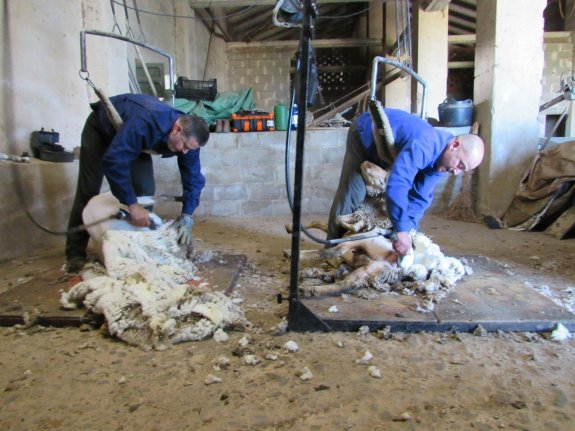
351,191
90,178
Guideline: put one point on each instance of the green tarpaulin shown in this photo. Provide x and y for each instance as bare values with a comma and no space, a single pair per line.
223,106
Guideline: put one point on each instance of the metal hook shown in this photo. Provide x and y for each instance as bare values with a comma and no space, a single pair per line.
85,75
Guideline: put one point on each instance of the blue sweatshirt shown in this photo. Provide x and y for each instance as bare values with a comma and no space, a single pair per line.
147,125
413,176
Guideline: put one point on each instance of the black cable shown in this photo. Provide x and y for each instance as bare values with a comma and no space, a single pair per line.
121,215
287,180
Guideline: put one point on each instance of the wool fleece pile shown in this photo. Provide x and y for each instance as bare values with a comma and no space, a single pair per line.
144,295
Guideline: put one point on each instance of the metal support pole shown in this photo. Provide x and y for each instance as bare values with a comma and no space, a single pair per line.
299,317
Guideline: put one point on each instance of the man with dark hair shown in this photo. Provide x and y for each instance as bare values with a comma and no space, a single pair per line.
417,157
150,126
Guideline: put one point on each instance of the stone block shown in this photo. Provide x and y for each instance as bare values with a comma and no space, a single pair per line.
261,156
230,192
257,208
220,141
208,194
218,176
281,207
225,208
257,175
317,206
333,156
266,192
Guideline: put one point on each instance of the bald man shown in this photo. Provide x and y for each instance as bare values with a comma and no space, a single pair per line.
417,155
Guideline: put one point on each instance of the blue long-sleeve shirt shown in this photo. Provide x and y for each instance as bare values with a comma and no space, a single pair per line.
413,176
147,122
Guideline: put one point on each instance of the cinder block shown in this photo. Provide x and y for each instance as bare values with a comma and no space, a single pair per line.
332,156
257,208
281,207
207,193
217,176
317,206
230,192
257,157
220,141
257,175
265,192
225,208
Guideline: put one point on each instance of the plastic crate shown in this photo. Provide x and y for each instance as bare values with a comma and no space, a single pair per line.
196,90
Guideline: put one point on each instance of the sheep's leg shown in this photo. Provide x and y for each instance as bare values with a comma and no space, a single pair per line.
356,279
314,224
350,223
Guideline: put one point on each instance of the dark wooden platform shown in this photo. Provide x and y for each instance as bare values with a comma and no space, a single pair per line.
490,298
41,296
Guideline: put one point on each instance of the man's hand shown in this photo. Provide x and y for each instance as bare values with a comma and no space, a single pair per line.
183,226
402,244
139,216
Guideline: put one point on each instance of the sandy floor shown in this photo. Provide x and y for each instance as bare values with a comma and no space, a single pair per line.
63,379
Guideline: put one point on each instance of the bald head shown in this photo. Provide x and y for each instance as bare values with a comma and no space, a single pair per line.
462,154
473,149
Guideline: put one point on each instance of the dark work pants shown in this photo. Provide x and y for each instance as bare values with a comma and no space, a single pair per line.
351,189
90,178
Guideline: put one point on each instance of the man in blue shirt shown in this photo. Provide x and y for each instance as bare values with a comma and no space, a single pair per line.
417,158
150,126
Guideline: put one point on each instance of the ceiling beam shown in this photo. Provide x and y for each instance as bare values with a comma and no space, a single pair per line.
462,23
318,43
241,3
470,13
434,5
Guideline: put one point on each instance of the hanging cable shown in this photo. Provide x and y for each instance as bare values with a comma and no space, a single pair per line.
319,240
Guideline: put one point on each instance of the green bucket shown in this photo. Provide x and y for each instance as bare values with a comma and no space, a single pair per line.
281,116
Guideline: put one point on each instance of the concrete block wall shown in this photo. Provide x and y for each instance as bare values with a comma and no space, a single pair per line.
265,70
245,173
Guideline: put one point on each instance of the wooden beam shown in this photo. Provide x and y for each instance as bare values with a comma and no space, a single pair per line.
461,39
461,65
241,3
318,43
548,37
434,5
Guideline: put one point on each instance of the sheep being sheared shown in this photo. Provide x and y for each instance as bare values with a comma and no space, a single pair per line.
144,294
371,263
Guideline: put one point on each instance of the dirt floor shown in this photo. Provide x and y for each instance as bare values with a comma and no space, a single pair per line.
78,378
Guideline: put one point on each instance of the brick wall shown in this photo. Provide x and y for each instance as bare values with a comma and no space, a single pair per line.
265,70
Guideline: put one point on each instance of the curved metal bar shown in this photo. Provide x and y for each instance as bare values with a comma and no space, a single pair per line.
377,60
125,39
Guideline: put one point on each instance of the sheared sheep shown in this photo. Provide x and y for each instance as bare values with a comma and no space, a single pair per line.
372,263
